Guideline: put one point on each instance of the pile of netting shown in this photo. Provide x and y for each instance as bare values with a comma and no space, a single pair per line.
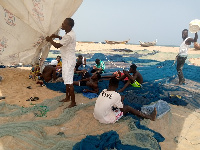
46,126
160,80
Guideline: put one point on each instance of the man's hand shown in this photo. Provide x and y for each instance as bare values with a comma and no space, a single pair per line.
126,72
53,36
48,39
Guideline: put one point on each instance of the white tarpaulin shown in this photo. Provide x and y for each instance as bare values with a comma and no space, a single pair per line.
24,24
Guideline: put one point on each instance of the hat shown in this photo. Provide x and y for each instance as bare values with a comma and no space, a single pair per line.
54,62
194,26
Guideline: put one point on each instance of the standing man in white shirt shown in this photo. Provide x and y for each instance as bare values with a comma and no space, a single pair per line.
183,53
67,48
108,99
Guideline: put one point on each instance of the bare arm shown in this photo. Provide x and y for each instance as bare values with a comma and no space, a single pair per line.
122,77
92,91
196,37
189,41
55,36
111,76
56,45
131,78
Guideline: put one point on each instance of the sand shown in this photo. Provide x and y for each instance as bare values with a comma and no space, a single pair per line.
180,127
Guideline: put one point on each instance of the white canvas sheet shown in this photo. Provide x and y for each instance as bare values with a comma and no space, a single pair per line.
24,24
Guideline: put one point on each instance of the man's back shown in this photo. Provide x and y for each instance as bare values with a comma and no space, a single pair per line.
103,107
139,77
48,73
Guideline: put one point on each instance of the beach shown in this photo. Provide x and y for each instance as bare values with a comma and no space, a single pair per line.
180,127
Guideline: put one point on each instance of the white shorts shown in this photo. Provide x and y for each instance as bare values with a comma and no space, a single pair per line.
68,71
118,114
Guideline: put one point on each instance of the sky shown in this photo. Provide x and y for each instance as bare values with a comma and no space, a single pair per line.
144,20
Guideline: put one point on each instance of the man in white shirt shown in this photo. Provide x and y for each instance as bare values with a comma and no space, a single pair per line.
182,55
108,99
67,48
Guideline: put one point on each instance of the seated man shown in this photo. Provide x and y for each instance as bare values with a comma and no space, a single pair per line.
48,73
59,66
78,64
117,74
80,61
109,98
135,80
100,67
35,71
91,82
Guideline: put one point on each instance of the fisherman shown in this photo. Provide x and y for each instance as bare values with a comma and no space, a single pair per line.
117,74
99,67
183,52
90,82
109,106
134,80
48,74
59,66
80,61
67,48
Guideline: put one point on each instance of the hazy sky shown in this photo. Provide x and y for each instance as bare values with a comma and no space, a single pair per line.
145,20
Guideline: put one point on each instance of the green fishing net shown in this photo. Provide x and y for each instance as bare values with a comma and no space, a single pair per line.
47,126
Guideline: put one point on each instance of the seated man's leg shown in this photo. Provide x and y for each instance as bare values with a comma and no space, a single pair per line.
125,86
77,83
128,109
94,70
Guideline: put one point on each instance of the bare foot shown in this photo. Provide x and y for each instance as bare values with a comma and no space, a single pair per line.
71,105
153,115
65,100
41,83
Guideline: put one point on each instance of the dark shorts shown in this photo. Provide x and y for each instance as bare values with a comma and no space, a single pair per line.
82,83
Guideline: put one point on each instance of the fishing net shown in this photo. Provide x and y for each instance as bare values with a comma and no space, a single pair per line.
48,126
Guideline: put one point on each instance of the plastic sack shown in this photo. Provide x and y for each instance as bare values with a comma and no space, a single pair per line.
162,108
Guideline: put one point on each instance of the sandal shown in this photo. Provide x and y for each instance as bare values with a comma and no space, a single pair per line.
29,87
2,97
33,99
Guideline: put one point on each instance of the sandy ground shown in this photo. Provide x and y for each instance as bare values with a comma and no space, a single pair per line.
180,127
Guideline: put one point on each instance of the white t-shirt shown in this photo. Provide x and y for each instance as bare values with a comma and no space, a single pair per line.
68,56
103,107
183,50
69,43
